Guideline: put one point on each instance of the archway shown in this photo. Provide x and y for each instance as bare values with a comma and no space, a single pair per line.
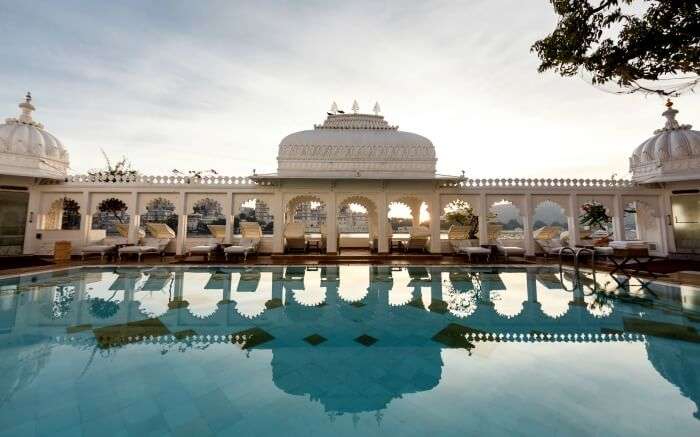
505,223
254,210
311,211
550,225
357,223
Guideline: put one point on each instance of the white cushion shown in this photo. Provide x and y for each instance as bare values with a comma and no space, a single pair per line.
476,250
138,249
237,249
97,248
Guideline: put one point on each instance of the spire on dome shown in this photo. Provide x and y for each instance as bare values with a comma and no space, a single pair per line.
27,108
376,109
355,107
671,123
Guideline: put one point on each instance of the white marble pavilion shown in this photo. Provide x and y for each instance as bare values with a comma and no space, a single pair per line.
349,159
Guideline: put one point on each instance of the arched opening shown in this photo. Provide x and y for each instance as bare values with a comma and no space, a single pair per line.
64,214
112,216
254,210
408,224
357,224
550,226
159,210
505,223
460,217
595,223
205,213
305,224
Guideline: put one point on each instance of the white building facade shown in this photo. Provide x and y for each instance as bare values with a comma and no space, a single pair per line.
349,159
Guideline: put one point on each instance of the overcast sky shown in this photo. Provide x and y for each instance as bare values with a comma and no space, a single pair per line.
199,85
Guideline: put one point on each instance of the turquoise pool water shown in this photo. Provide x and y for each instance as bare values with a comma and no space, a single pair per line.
346,350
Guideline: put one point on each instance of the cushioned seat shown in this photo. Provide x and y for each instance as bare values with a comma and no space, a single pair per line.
507,251
206,250
99,249
247,246
476,251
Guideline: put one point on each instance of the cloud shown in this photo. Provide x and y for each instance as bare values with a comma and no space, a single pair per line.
192,85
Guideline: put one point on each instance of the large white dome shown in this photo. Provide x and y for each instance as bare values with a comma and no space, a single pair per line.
356,146
672,154
26,149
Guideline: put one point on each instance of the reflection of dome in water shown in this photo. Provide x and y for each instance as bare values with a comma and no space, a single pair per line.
368,382
679,363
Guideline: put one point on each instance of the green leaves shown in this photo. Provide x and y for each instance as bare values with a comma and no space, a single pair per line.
624,42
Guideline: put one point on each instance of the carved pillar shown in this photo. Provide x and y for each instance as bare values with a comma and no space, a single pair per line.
228,232
435,243
483,220
527,226
181,224
277,210
573,220
86,218
618,218
132,207
382,237
33,217
332,222
668,243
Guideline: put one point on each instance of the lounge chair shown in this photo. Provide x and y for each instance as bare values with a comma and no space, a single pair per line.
508,251
206,250
146,246
162,235
245,247
457,237
217,231
418,239
101,247
251,231
295,237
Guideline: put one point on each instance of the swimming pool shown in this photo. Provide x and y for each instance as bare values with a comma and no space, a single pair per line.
346,350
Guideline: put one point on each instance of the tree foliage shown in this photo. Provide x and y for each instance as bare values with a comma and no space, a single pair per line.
636,44
121,169
116,207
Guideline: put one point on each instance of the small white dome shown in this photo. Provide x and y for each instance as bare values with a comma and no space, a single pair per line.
672,154
26,149
356,145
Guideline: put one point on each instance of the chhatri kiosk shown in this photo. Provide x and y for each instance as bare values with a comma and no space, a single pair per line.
350,159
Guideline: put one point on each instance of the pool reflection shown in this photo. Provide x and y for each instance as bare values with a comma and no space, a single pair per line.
353,338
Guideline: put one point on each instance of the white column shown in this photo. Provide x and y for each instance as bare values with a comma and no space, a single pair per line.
618,218
483,220
332,223
181,224
133,219
277,210
32,220
668,241
236,210
382,237
573,220
527,226
86,219
434,206
228,232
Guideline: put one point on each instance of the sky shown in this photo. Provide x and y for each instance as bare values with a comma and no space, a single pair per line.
217,84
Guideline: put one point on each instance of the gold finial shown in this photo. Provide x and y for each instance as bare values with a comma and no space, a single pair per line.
669,103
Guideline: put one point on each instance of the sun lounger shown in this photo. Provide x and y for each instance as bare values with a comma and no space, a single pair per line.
417,240
148,246
101,248
295,237
244,248
206,250
508,251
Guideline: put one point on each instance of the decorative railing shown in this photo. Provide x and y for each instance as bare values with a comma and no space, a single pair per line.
540,183
164,180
